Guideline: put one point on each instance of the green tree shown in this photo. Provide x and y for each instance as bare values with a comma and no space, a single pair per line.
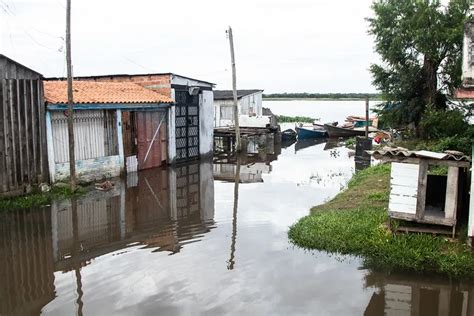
420,45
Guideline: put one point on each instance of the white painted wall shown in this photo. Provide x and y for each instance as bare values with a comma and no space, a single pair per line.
403,188
468,53
206,116
206,128
249,106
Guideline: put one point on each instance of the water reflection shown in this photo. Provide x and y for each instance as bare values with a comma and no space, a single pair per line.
305,143
418,296
162,210
252,166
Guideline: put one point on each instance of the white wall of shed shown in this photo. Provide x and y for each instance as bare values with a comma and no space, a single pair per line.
249,106
206,122
404,188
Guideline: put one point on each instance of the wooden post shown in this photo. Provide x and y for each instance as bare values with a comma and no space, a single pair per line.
367,117
421,191
70,102
238,146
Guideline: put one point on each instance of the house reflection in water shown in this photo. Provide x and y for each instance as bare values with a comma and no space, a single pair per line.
253,164
418,296
161,209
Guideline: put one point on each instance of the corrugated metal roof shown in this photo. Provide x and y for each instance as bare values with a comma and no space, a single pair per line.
401,153
88,92
229,94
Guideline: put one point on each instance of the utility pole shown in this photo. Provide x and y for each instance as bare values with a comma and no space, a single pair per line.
234,88
70,117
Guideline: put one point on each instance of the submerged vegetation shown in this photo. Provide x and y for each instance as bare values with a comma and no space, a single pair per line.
39,198
354,223
295,119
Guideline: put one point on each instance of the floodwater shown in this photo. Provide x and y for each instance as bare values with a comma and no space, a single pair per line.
190,241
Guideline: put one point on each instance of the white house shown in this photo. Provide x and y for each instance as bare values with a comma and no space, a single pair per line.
249,105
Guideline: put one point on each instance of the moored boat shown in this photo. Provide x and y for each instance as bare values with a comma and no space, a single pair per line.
338,131
288,134
309,132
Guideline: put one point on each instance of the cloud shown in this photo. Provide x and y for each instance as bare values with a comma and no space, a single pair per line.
303,45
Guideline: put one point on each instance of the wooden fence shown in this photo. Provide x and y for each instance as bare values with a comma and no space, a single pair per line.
23,151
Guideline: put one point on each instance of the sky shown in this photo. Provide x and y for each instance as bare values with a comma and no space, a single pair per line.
280,45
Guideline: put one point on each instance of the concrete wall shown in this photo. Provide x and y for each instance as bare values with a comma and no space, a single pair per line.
468,56
90,170
206,128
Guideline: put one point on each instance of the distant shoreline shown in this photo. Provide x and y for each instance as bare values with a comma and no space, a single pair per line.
320,99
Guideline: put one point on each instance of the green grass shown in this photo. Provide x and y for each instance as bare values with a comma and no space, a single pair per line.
354,223
294,119
38,199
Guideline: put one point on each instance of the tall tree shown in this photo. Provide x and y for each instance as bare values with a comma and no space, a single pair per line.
420,45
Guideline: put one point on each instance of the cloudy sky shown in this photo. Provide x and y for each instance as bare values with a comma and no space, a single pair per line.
281,45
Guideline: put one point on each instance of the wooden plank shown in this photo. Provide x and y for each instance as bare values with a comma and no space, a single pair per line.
3,168
18,133
23,132
8,138
421,193
425,220
13,126
34,132
29,137
15,137
404,188
44,146
433,162
451,204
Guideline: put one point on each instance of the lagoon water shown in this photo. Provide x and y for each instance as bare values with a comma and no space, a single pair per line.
179,241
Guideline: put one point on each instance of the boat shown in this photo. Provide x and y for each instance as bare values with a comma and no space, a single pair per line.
339,131
310,132
288,134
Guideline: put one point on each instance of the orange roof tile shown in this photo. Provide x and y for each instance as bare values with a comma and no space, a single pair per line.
101,92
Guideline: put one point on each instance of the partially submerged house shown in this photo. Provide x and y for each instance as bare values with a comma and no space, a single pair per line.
249,103
190,116
419,196
118,127
23,153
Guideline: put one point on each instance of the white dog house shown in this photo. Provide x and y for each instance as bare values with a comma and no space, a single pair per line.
418,196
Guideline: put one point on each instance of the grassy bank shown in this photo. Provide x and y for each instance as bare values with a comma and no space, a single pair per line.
354,223
294,119
38,199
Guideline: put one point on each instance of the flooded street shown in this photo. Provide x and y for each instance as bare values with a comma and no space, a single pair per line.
170,242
